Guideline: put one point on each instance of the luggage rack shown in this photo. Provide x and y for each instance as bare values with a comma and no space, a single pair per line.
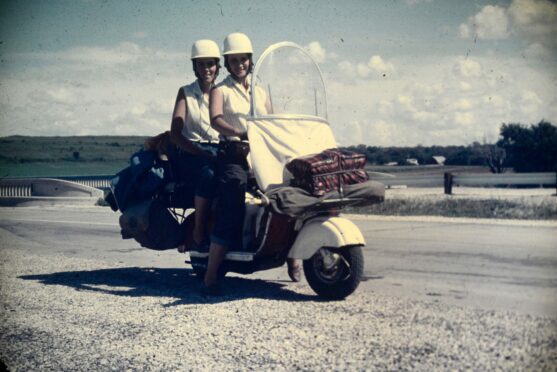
335,203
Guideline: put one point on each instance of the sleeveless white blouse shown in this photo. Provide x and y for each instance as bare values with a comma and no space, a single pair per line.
236,104
197,127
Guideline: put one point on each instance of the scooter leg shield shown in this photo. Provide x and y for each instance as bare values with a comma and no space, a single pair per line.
335,232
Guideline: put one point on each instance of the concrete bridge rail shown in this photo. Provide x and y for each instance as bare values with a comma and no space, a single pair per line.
45,191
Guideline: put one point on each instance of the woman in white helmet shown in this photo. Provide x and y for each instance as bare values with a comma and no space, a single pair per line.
229,107
193,141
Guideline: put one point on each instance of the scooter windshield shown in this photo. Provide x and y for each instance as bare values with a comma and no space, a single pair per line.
291,80
288,113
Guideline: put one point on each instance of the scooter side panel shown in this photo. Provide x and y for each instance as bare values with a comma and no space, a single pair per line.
334,232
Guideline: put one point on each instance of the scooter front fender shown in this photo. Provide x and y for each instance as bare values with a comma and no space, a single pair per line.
335,232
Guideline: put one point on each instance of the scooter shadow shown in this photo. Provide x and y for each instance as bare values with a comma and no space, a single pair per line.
181,284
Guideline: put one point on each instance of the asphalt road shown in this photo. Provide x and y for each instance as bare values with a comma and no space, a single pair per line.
439,295
503,265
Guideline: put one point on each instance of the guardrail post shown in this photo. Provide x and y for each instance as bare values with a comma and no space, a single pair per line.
448,183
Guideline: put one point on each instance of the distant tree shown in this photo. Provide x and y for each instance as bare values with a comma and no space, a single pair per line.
530,149
76,155
495,158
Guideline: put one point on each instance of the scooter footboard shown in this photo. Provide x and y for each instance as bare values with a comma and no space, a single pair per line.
336,232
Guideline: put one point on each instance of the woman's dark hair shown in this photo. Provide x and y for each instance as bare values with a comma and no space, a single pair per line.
227,65
217,62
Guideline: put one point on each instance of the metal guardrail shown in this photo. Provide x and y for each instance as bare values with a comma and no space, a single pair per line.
100,182
45,191
505,179
15,190
515,179
479,180
389,180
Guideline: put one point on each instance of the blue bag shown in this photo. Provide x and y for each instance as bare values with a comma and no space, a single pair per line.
140,181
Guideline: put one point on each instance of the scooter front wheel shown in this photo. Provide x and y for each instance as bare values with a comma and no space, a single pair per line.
335,273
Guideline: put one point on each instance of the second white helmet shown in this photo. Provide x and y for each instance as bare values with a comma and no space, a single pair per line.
205,49
237,43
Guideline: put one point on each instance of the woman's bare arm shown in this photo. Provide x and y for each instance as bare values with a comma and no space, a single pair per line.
217,120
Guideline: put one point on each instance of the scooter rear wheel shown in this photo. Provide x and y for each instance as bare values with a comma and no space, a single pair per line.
335,273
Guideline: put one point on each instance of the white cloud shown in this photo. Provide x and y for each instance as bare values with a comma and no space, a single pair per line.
535,18
439,100
537,51
425,116
448,101
346,67
123,53
363,70
462,104
534,21
405,103
377,64
467,68
317,51
124,89
385,108
494,100
463,118
62,95
465,86
375,67
383,131
490,23
529,102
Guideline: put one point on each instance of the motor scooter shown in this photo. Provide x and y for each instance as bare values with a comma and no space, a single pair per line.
280,222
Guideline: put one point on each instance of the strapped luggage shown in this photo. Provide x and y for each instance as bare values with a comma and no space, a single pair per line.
152,225
141,180
327,171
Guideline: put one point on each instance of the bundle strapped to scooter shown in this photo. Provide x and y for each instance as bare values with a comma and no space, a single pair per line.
327,171
140,181
141,192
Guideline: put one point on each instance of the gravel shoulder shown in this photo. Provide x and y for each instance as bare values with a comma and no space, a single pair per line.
61,313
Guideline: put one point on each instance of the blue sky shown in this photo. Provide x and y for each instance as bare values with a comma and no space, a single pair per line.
397,72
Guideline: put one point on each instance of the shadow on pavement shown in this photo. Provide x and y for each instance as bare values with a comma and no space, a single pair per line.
181,284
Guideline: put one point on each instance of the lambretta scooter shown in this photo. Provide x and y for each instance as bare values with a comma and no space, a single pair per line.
280,222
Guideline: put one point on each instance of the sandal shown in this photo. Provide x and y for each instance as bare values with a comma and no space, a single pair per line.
295,273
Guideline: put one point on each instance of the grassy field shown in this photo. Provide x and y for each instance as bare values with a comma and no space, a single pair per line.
500,203
61,168
22,156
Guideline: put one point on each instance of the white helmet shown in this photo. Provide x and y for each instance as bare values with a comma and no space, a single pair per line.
205,49
237,43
